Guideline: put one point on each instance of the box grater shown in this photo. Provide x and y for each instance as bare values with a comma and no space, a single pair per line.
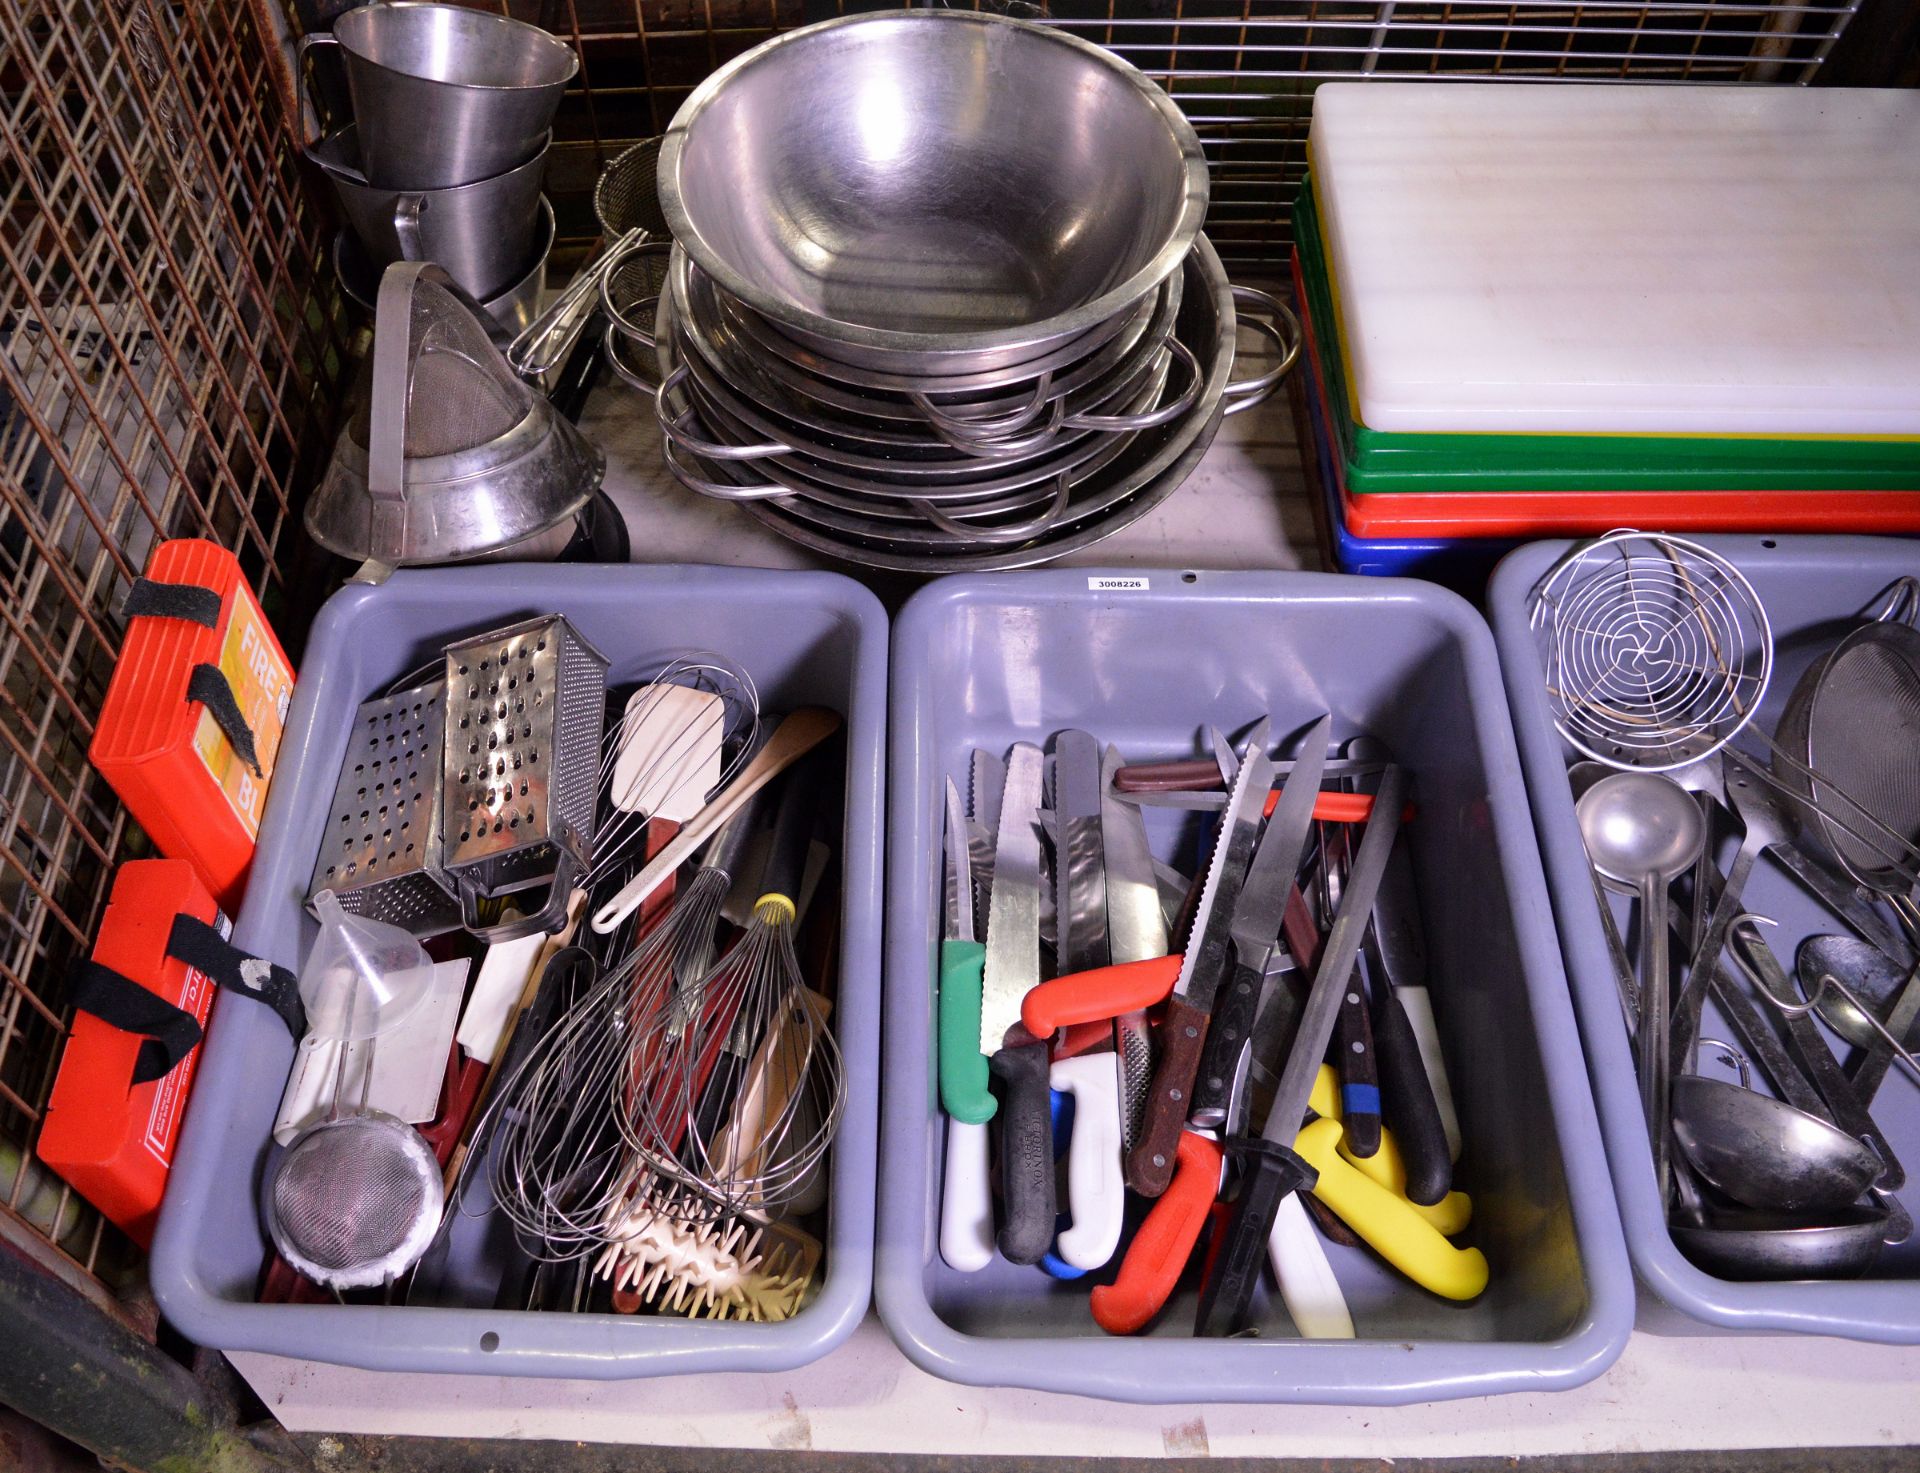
521,773
381,851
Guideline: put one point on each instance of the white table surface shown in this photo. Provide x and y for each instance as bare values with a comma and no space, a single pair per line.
1244,507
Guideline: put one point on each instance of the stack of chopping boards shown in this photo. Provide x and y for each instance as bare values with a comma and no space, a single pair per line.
1536,310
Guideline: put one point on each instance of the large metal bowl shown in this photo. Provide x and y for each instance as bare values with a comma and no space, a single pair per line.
932,191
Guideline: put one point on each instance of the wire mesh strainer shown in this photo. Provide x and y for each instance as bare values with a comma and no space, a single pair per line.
447,455
627,203
356,1201
357,1197
1658,651
1845,751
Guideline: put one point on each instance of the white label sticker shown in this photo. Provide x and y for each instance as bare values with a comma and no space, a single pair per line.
1117,585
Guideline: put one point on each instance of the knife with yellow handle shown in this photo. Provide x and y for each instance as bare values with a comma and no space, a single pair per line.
1450,1215
1391,1225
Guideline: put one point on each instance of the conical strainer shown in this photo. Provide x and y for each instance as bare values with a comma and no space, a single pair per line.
447,455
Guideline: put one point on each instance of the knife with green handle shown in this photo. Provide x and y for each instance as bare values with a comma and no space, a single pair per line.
964,1094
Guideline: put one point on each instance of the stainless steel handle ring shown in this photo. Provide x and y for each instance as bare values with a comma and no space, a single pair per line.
718,490
1023,532
642,246
1249,392
610,345
1011,422
1000,449
675,430
1153,418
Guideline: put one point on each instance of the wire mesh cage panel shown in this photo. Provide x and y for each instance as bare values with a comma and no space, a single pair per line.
170,350
1244,70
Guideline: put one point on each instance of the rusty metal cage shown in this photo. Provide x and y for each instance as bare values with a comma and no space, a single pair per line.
170,351
1243,70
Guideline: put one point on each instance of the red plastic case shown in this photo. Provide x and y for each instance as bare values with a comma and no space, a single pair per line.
163,752
109,1138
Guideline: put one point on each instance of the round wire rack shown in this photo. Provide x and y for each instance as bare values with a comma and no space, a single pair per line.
1657,650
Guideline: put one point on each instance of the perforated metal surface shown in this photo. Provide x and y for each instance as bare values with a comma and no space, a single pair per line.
524,710
382,842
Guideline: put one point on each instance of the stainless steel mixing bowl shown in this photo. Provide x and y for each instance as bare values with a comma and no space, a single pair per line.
932,191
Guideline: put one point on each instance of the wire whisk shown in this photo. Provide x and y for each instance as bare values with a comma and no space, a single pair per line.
1658,651
744,1084
559,1165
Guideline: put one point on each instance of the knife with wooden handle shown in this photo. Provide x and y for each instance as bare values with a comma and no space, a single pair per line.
1183,1026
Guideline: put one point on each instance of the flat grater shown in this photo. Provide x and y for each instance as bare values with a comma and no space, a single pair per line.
380,854
521,772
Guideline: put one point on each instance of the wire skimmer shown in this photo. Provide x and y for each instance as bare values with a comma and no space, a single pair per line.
1658,651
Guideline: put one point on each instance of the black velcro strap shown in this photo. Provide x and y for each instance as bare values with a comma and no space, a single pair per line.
171,1032
187,601
199,945
209,687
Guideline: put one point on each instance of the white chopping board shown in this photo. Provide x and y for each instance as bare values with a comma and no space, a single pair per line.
1679,260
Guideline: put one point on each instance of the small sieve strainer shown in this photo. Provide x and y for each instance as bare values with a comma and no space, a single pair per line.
627,204
1845,749
357,1197
356,1200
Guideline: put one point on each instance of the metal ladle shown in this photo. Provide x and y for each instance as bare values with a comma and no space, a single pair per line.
1763,1152
1742,1244
1770,1245
1646,830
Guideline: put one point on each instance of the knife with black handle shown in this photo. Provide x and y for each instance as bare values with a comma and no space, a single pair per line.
1017,1059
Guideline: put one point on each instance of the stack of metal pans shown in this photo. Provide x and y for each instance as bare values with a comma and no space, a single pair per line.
953,310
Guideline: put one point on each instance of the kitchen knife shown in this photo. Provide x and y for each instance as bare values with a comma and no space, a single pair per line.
1096,1197
1183,1026
1142,974
1352,1029
1254,928
1269,1168
1164,1243
964,1093
966,1198
1016,1058
1136,931
1413,1102
987,779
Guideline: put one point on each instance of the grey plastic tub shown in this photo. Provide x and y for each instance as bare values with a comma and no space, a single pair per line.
991,659
805,638
1813,589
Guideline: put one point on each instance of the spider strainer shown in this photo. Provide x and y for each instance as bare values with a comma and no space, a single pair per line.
1657,650
521,768
447,455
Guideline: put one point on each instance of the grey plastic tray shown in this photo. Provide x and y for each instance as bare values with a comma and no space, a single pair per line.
1812,587
805,638
988,660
